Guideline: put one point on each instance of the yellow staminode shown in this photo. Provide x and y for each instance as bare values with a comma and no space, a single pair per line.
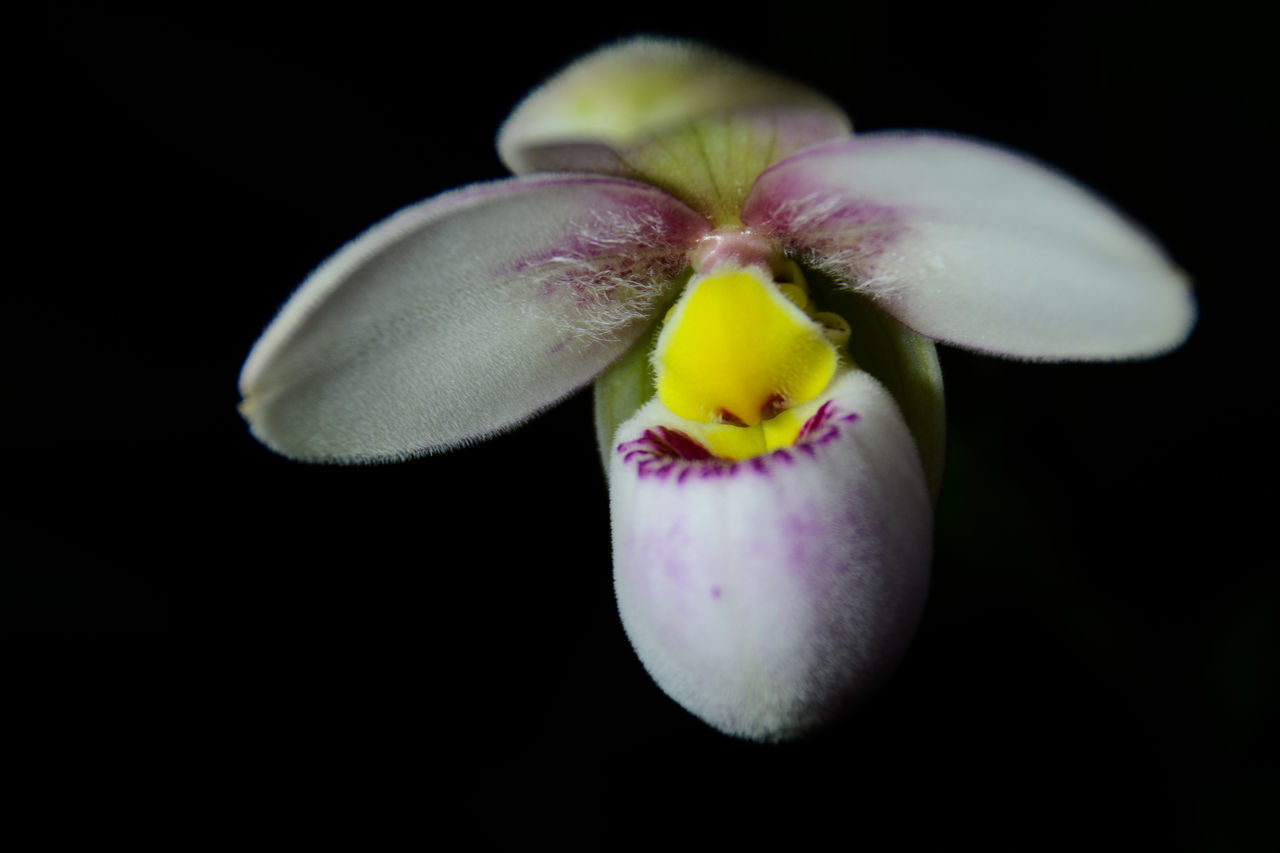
736,350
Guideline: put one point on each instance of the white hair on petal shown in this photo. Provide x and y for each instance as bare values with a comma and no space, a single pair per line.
615,272
848,239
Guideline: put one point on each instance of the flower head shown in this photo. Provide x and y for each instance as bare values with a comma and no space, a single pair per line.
755,292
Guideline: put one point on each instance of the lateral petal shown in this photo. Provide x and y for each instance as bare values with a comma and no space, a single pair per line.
975,246
767,594
463,315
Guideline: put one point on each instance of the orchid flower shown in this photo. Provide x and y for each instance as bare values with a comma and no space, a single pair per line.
756,292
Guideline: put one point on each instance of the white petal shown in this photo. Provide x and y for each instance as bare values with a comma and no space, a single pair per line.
463,315
766,595
975,246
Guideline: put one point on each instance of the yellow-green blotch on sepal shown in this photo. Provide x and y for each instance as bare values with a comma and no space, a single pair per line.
711,163
905,363
680,116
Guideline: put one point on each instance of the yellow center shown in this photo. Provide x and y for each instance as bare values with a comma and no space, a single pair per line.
736,354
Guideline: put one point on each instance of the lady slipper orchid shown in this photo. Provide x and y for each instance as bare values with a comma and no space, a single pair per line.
756,292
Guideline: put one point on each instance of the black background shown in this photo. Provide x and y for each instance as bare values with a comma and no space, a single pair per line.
231,639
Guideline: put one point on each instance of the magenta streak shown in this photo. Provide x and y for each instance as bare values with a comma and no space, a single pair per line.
816,420
673,443
661,452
